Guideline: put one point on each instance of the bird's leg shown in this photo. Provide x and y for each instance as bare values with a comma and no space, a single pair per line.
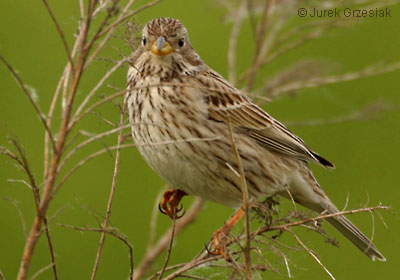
220,237
169,204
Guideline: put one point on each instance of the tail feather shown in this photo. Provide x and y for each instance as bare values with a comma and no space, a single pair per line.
315,199
352,233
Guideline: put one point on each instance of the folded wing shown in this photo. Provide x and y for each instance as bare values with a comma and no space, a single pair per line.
224,101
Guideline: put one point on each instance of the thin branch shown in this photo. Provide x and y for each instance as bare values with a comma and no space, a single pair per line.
20,181
127,16
102,6
77,73
82,10
172,267
317,218
40,271
109,30
169,248
153,221
313,82
96,88
113,232
382,220
60,32
264,41
87,142
347,202
372,231
263,26
111,196
63,82
245,206
29,95
77,118
368,112
310,252
233,39
23,161
294,45
192,277
85,160
279,253
104,23
48,122
252,19
163,242
308,28
191,265
21,216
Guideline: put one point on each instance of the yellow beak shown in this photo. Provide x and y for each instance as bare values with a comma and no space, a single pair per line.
161,47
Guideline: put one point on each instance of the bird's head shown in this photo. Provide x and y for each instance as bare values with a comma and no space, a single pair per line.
165,43
164,36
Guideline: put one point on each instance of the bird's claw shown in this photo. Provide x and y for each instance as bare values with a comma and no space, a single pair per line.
170,206
161,209
220,237
219,245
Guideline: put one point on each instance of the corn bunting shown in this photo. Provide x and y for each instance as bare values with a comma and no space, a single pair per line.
179,109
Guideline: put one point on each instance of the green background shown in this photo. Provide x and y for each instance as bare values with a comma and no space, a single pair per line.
365,153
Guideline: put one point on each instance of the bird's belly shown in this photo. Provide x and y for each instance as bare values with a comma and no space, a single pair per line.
168,160
183,168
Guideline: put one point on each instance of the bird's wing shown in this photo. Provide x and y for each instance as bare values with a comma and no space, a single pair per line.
225,101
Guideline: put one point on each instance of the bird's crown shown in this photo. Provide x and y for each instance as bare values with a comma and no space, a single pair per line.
167,27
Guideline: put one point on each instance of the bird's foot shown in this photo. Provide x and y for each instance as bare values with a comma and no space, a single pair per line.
170,204
219,241
220,237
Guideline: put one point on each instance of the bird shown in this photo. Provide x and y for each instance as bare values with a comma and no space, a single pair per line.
181,114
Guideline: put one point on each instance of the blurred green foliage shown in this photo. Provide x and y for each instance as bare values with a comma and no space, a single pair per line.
365,153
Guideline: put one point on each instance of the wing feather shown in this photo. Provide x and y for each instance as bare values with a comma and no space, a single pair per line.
248,118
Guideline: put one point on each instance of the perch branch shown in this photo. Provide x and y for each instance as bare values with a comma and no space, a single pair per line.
163,242
169,248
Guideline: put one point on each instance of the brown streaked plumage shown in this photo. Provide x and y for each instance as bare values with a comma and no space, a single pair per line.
179,107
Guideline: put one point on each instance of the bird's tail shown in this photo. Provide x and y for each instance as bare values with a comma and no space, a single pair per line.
309,194
352,233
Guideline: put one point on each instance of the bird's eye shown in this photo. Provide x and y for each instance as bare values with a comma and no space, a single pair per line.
144,41
181,42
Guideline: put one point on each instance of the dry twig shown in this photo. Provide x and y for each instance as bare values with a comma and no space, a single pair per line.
111,197
169,248
114,232
163,241
245,206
